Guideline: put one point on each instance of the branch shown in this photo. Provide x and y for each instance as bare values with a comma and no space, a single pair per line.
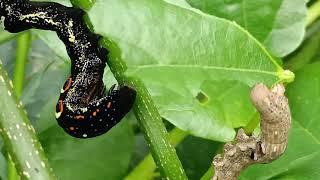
313,13
275,123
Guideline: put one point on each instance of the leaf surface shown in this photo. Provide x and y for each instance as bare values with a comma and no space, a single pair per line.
177,51
280,24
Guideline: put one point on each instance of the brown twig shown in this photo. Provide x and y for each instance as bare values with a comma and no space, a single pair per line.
246,150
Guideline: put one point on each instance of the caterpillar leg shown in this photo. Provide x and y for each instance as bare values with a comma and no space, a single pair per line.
99,116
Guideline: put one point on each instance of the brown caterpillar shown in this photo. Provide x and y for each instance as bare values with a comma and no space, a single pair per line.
247,150
275,118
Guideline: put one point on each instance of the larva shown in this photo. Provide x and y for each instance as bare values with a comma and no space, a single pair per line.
84,108
275,118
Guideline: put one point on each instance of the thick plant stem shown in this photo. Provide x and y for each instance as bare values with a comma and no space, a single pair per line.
145,169
155,132
146,113
19,136
149,119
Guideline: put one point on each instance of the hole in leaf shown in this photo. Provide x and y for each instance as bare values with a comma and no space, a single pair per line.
202,98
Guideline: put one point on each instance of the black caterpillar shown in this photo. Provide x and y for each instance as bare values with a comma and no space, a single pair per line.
84,108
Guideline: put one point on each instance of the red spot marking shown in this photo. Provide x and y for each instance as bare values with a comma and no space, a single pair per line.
109,105
71,128
79,117
94,113
68,84
98,110
61,106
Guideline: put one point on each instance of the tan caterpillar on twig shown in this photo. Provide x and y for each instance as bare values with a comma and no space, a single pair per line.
275,118
246,150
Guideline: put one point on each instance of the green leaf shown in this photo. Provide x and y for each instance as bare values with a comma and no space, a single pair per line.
176,50
102,157
301,160
308,51
278,24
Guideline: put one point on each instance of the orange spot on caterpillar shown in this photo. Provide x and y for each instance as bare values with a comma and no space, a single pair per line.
98,110
71,128
94,113
60,106
68,84
79,117
109,105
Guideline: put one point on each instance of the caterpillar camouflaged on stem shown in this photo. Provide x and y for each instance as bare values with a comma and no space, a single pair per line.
274,111
275,115
84,108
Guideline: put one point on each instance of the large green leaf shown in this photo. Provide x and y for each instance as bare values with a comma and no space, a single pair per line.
302,158
176,51
278,24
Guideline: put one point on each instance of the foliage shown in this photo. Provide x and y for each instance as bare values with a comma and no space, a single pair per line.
198,66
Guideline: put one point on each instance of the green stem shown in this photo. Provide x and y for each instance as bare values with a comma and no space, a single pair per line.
23,43
19,136
313,13
86,5
147,115
145,169
23,46
155,132
254,122
145,111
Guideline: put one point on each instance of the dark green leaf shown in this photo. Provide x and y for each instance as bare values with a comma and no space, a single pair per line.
196,155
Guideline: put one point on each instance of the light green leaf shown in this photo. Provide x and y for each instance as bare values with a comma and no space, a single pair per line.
175,51
280,24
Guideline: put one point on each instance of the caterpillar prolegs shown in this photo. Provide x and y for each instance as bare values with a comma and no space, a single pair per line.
84,108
